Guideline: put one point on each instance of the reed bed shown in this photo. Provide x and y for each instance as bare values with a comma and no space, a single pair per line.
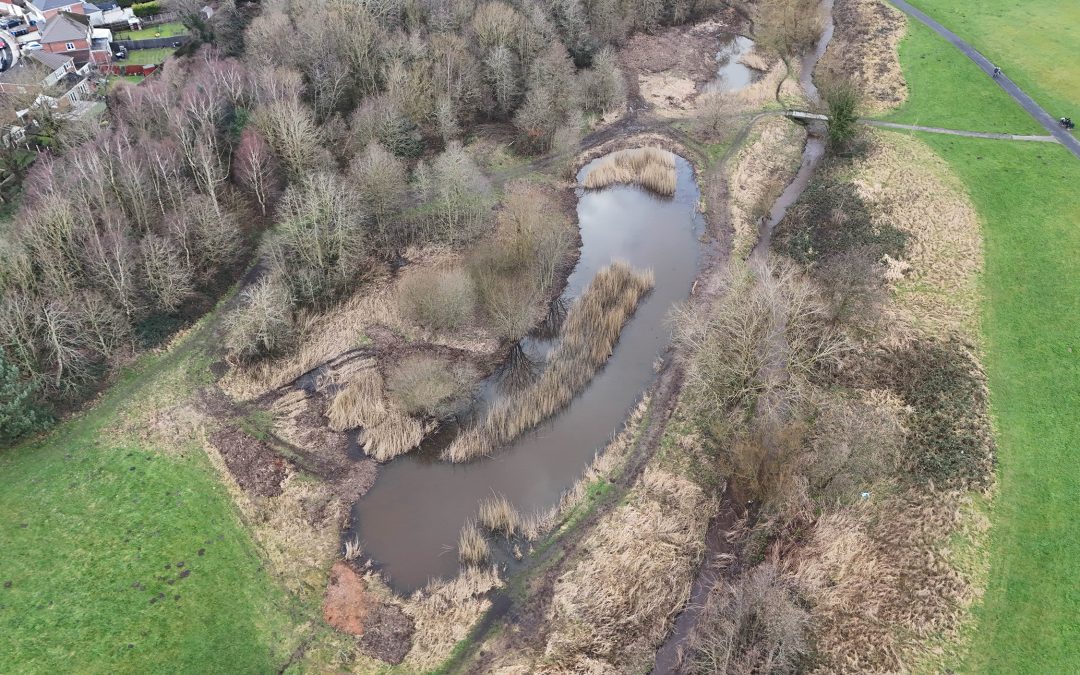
650,167
499,515
589,334
472,546
388,432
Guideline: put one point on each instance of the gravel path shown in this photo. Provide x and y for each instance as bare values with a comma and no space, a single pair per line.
957,132
1026,102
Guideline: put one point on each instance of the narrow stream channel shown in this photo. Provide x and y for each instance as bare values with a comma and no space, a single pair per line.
408,523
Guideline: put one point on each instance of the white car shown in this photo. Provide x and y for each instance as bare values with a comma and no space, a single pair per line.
31,46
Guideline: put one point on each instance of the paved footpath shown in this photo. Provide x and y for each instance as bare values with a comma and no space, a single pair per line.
1025,101
958,132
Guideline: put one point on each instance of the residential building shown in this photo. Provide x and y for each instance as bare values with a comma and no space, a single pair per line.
50,8
72,35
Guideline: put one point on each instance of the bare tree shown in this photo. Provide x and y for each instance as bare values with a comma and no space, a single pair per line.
255,168
382,181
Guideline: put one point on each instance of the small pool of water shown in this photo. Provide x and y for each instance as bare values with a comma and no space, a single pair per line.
731,75
408,523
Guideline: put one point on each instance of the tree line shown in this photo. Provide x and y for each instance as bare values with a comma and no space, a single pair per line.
334,124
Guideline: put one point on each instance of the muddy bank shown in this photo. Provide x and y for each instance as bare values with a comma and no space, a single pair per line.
408,523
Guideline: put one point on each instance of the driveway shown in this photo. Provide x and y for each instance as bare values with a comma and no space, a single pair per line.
1026,102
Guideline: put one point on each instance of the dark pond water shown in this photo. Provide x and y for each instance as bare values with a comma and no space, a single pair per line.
731,75
409,522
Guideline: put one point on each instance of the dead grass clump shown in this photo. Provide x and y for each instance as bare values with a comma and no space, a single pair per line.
760,173
444,612
887,581
388,431
754,624
611,609
864,51
589,334
499,515
472,546
650,167
438,299
432,387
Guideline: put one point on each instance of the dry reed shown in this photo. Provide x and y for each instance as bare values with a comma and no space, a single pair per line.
650,167
611,609
499,515
388,432
589,334
472,547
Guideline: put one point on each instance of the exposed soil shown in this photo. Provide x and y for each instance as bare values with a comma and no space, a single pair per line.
388,633
258,470
346,604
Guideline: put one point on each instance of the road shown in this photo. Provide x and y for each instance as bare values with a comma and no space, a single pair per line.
1026,102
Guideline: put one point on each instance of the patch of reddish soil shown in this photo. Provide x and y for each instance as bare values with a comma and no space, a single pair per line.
384,630
255,466
346,604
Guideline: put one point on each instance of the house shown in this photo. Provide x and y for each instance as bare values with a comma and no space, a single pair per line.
53,77
112,16
50,8
71,34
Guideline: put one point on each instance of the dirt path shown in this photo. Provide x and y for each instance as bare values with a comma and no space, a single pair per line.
1026,102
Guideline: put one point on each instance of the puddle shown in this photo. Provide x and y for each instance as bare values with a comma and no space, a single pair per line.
408,523
731,75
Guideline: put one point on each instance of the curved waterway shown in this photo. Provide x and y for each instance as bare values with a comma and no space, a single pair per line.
408,523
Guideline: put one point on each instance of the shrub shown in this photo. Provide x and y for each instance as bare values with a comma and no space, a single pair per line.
753,625
842,98
431,387
440,300
263,323
19,414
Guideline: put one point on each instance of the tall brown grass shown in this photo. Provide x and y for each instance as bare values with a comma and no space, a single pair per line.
388,431
499,515
650,167
589,334
472,547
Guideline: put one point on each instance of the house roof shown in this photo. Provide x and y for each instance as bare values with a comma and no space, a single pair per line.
49,60
65,27
25,72
45,5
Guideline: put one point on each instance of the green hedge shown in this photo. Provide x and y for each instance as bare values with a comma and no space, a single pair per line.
145,9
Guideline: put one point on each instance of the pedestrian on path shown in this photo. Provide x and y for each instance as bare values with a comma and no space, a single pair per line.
997,71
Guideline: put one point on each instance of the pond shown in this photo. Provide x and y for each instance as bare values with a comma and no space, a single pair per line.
731,73
408,523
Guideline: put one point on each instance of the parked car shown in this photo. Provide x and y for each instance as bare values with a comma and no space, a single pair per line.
31,46
10,23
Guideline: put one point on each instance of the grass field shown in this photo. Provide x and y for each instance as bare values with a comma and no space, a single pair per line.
1034,41
1027,197
95,525
947,89
163,30
145,57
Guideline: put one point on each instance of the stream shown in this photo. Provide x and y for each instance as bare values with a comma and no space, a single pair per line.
408,523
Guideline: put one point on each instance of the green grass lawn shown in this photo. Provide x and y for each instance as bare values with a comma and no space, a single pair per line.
1028,199
163,30
114,80
947,89
144,57
93,531
1036,43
